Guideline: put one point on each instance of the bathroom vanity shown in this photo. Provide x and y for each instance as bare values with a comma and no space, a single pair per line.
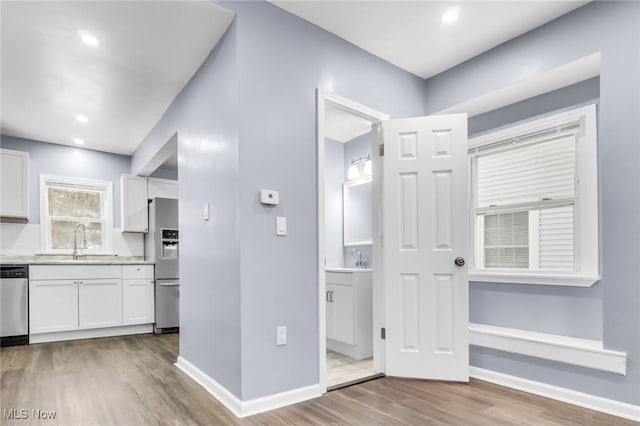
349,312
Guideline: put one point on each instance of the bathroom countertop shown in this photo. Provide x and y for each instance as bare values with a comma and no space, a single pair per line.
67,260
342,269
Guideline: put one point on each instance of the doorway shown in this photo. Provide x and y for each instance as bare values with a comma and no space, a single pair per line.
349,226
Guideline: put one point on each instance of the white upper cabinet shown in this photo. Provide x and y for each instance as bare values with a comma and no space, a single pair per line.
163,188
14,185
133,203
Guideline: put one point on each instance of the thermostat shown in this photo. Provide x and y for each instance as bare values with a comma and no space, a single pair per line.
269,197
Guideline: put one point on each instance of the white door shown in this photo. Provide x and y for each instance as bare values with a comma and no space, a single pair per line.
99,303
425,228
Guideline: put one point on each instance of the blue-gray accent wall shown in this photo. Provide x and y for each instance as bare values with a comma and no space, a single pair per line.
246,122
61,160
334,178
611,28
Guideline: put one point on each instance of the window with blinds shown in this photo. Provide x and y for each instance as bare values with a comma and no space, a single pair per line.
523,197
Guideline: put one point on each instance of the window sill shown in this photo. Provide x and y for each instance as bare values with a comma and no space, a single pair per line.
573,280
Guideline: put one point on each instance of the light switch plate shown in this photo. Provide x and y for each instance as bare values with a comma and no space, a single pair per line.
281,225
281,336
205,211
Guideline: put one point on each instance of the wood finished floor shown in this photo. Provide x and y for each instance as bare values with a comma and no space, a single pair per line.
132,381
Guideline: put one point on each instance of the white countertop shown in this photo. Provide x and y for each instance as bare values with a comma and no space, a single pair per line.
67,260
340,269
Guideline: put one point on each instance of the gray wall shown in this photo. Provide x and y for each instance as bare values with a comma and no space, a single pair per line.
267,67
612,29
283,59
165,173
205,116
356,148
62,160
334,178
568,311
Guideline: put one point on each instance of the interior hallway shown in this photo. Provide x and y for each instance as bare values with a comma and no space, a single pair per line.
131,380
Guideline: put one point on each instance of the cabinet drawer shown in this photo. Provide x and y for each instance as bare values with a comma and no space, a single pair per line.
132,272
344,278
71,272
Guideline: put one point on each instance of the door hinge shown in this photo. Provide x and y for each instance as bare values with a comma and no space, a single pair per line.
381,240
381,150
383,333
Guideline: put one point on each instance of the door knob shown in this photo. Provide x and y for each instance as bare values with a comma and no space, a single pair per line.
459,261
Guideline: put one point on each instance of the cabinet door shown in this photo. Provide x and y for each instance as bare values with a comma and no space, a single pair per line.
330,313
137,301
14,184
163,188
53,306
100,303
133,203
342,313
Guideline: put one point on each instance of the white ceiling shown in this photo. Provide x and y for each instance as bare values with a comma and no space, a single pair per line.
147,52
411,35
342,126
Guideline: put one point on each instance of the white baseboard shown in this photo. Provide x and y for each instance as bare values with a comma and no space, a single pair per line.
569,350
249,407
592,402
90,333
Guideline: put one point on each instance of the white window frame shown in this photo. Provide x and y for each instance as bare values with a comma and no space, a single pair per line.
45,223
586,199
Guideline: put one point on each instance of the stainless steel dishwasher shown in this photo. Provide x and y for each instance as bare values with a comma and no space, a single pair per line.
14,305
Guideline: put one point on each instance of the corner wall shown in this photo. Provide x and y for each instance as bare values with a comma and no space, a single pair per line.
611,28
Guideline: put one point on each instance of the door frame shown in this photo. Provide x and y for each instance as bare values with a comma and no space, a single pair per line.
324,98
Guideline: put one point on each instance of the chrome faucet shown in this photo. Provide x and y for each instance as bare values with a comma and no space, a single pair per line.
360,262
75,240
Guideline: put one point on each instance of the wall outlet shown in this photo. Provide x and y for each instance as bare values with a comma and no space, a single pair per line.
281,336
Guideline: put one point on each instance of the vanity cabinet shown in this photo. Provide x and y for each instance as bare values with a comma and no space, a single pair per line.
349,312
133,204
14,185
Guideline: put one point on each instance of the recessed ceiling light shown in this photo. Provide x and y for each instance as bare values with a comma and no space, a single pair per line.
81,118
78,141
88,38
451,15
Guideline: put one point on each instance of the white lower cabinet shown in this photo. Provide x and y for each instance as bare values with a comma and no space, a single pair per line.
137,294
53,306
99,303
349,313
72,298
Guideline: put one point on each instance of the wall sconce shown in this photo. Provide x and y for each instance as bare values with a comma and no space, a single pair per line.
354,168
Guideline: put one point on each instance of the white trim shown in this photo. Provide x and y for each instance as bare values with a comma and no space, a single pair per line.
45,234
569,350
585,205
90,333
250,407
376,117
532,277
592,402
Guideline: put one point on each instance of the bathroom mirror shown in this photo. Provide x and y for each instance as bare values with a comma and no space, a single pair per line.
357,212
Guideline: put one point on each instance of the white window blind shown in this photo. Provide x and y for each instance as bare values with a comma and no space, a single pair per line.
528,173
506,240
524,198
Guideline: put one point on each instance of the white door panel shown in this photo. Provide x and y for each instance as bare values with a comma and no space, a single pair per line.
425,228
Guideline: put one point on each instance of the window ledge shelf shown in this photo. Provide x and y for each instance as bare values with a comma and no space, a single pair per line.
510,277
